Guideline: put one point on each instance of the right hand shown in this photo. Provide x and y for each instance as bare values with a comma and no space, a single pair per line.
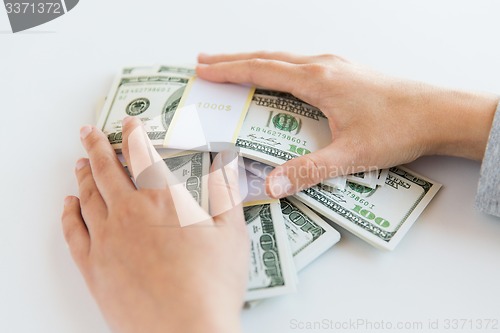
376,121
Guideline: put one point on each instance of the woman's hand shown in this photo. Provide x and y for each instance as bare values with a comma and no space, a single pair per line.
146,272
376,121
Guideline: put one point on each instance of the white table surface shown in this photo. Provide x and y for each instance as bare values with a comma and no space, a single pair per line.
52,77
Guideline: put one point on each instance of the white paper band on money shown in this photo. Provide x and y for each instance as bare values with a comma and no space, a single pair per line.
203,109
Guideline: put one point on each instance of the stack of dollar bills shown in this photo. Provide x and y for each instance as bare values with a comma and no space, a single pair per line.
187,118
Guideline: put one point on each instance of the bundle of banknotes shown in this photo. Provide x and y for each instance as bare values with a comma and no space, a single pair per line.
187,119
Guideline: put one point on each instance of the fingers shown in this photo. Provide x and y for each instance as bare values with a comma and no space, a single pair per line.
224,193
306,171
270,74
145,164
93,207
280,56
75,231
109,175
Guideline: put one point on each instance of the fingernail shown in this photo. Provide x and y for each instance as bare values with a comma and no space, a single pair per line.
81,163
67,200
280,186
200,67
127,120
85,131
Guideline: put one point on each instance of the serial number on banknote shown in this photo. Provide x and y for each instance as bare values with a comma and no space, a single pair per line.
356,197
275,133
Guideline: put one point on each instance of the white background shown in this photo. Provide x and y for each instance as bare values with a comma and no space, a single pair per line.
52,77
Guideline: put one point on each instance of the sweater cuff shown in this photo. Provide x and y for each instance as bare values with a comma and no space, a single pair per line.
488,192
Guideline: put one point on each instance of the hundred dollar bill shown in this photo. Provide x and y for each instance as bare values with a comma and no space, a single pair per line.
191,170
279,127
139,69
380,216
309,235
151,97
382,176
368,179
186,71
272,270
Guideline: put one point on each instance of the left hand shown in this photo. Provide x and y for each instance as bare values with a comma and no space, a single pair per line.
147,273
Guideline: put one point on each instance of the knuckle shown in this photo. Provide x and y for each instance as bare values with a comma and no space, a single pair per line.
68,231
126,209
159,198
131,208
318,71
262,54
329,58
101,162
66,214
255,64
311,170
316,169
92,141
98,148
254,67
87,194
319,76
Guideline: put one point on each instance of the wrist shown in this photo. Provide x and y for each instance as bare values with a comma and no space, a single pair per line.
193,314
458,123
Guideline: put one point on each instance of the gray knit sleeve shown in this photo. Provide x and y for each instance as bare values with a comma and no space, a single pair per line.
488,192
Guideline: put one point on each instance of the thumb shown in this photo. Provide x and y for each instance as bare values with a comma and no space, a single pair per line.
224,188
308,170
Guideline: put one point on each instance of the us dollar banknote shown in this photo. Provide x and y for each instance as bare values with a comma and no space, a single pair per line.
380,216
185,71
308,234
272,271
279,127
192,171
152,97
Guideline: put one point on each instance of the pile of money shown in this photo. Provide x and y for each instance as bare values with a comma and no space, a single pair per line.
187,118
